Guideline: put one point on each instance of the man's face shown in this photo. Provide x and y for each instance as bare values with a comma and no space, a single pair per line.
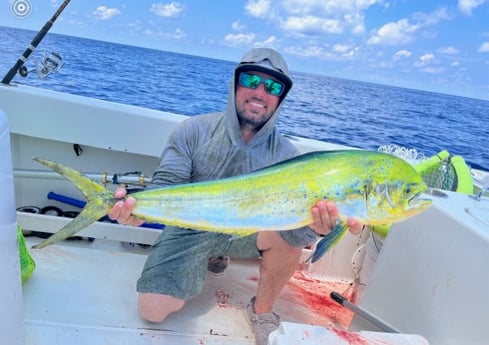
255,106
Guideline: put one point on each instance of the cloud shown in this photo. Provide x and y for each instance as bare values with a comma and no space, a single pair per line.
178,34
425,60
258,8
104,13
312,25
270,42
484,48
450,50
403,32
337,52
313,17
237,40
238,26
402,54
466,6
400,32
428,63
168,10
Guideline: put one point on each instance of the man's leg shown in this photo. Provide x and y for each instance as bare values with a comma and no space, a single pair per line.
281,253
154,307
175,270
279,262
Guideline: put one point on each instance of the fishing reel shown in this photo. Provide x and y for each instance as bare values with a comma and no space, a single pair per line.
50,63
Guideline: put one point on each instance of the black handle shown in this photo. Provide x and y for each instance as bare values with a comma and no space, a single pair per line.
337,297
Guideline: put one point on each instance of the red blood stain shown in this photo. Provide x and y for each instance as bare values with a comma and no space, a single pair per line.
222,298
351,338
314,293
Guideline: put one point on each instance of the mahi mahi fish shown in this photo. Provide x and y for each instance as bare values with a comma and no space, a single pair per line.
374,187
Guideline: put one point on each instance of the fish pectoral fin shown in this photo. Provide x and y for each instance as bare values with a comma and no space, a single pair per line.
328,241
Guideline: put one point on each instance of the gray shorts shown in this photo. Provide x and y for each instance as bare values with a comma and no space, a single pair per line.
177,262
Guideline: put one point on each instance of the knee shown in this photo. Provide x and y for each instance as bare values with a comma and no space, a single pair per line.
156,308
272,241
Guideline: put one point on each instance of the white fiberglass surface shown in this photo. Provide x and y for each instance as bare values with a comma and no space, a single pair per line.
87,293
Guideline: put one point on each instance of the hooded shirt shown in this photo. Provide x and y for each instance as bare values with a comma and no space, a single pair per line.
210,146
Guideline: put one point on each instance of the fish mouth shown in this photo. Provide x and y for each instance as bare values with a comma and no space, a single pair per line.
418,202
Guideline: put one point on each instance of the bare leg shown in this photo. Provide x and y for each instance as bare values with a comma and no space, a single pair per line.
156,308
278,264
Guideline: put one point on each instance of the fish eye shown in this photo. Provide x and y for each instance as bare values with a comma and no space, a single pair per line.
409,189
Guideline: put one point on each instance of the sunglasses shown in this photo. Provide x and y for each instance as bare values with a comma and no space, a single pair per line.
252,81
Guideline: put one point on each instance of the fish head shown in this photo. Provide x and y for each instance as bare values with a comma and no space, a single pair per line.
396,197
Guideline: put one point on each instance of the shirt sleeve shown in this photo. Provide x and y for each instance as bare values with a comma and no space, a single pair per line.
175,164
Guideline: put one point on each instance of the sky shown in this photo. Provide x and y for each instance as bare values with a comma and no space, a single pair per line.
439,46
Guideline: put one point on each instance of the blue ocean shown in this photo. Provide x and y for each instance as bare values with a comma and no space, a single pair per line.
348,112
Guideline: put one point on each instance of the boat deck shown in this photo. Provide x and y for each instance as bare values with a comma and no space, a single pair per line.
95,282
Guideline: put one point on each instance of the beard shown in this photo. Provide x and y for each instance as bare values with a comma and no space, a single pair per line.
252,116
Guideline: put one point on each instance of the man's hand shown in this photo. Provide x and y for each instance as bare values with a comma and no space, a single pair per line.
121,212
325,214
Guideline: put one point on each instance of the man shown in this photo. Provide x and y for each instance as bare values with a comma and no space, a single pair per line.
243,138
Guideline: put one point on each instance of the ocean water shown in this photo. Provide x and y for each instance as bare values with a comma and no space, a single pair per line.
342,111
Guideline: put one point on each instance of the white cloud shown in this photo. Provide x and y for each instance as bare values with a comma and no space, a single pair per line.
400,32
403,32
337,52
427,19
433,70
344,50
313,17
425,60
236,40
168,10
327,7
311,25
259,8
402,54
484,48
450,50
270,42
466,6
104,13
238,26
178,34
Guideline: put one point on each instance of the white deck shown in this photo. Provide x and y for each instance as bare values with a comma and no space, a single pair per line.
83,293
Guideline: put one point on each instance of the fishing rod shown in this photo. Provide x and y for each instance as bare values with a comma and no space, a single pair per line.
40,35
132,178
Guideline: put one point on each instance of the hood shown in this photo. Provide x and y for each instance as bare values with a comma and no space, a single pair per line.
264,60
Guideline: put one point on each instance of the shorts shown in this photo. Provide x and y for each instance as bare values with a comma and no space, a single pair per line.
177,262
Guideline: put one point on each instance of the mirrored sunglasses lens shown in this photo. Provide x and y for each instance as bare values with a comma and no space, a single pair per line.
274,87
250,81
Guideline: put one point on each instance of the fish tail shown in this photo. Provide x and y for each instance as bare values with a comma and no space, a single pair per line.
99,201
328,241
